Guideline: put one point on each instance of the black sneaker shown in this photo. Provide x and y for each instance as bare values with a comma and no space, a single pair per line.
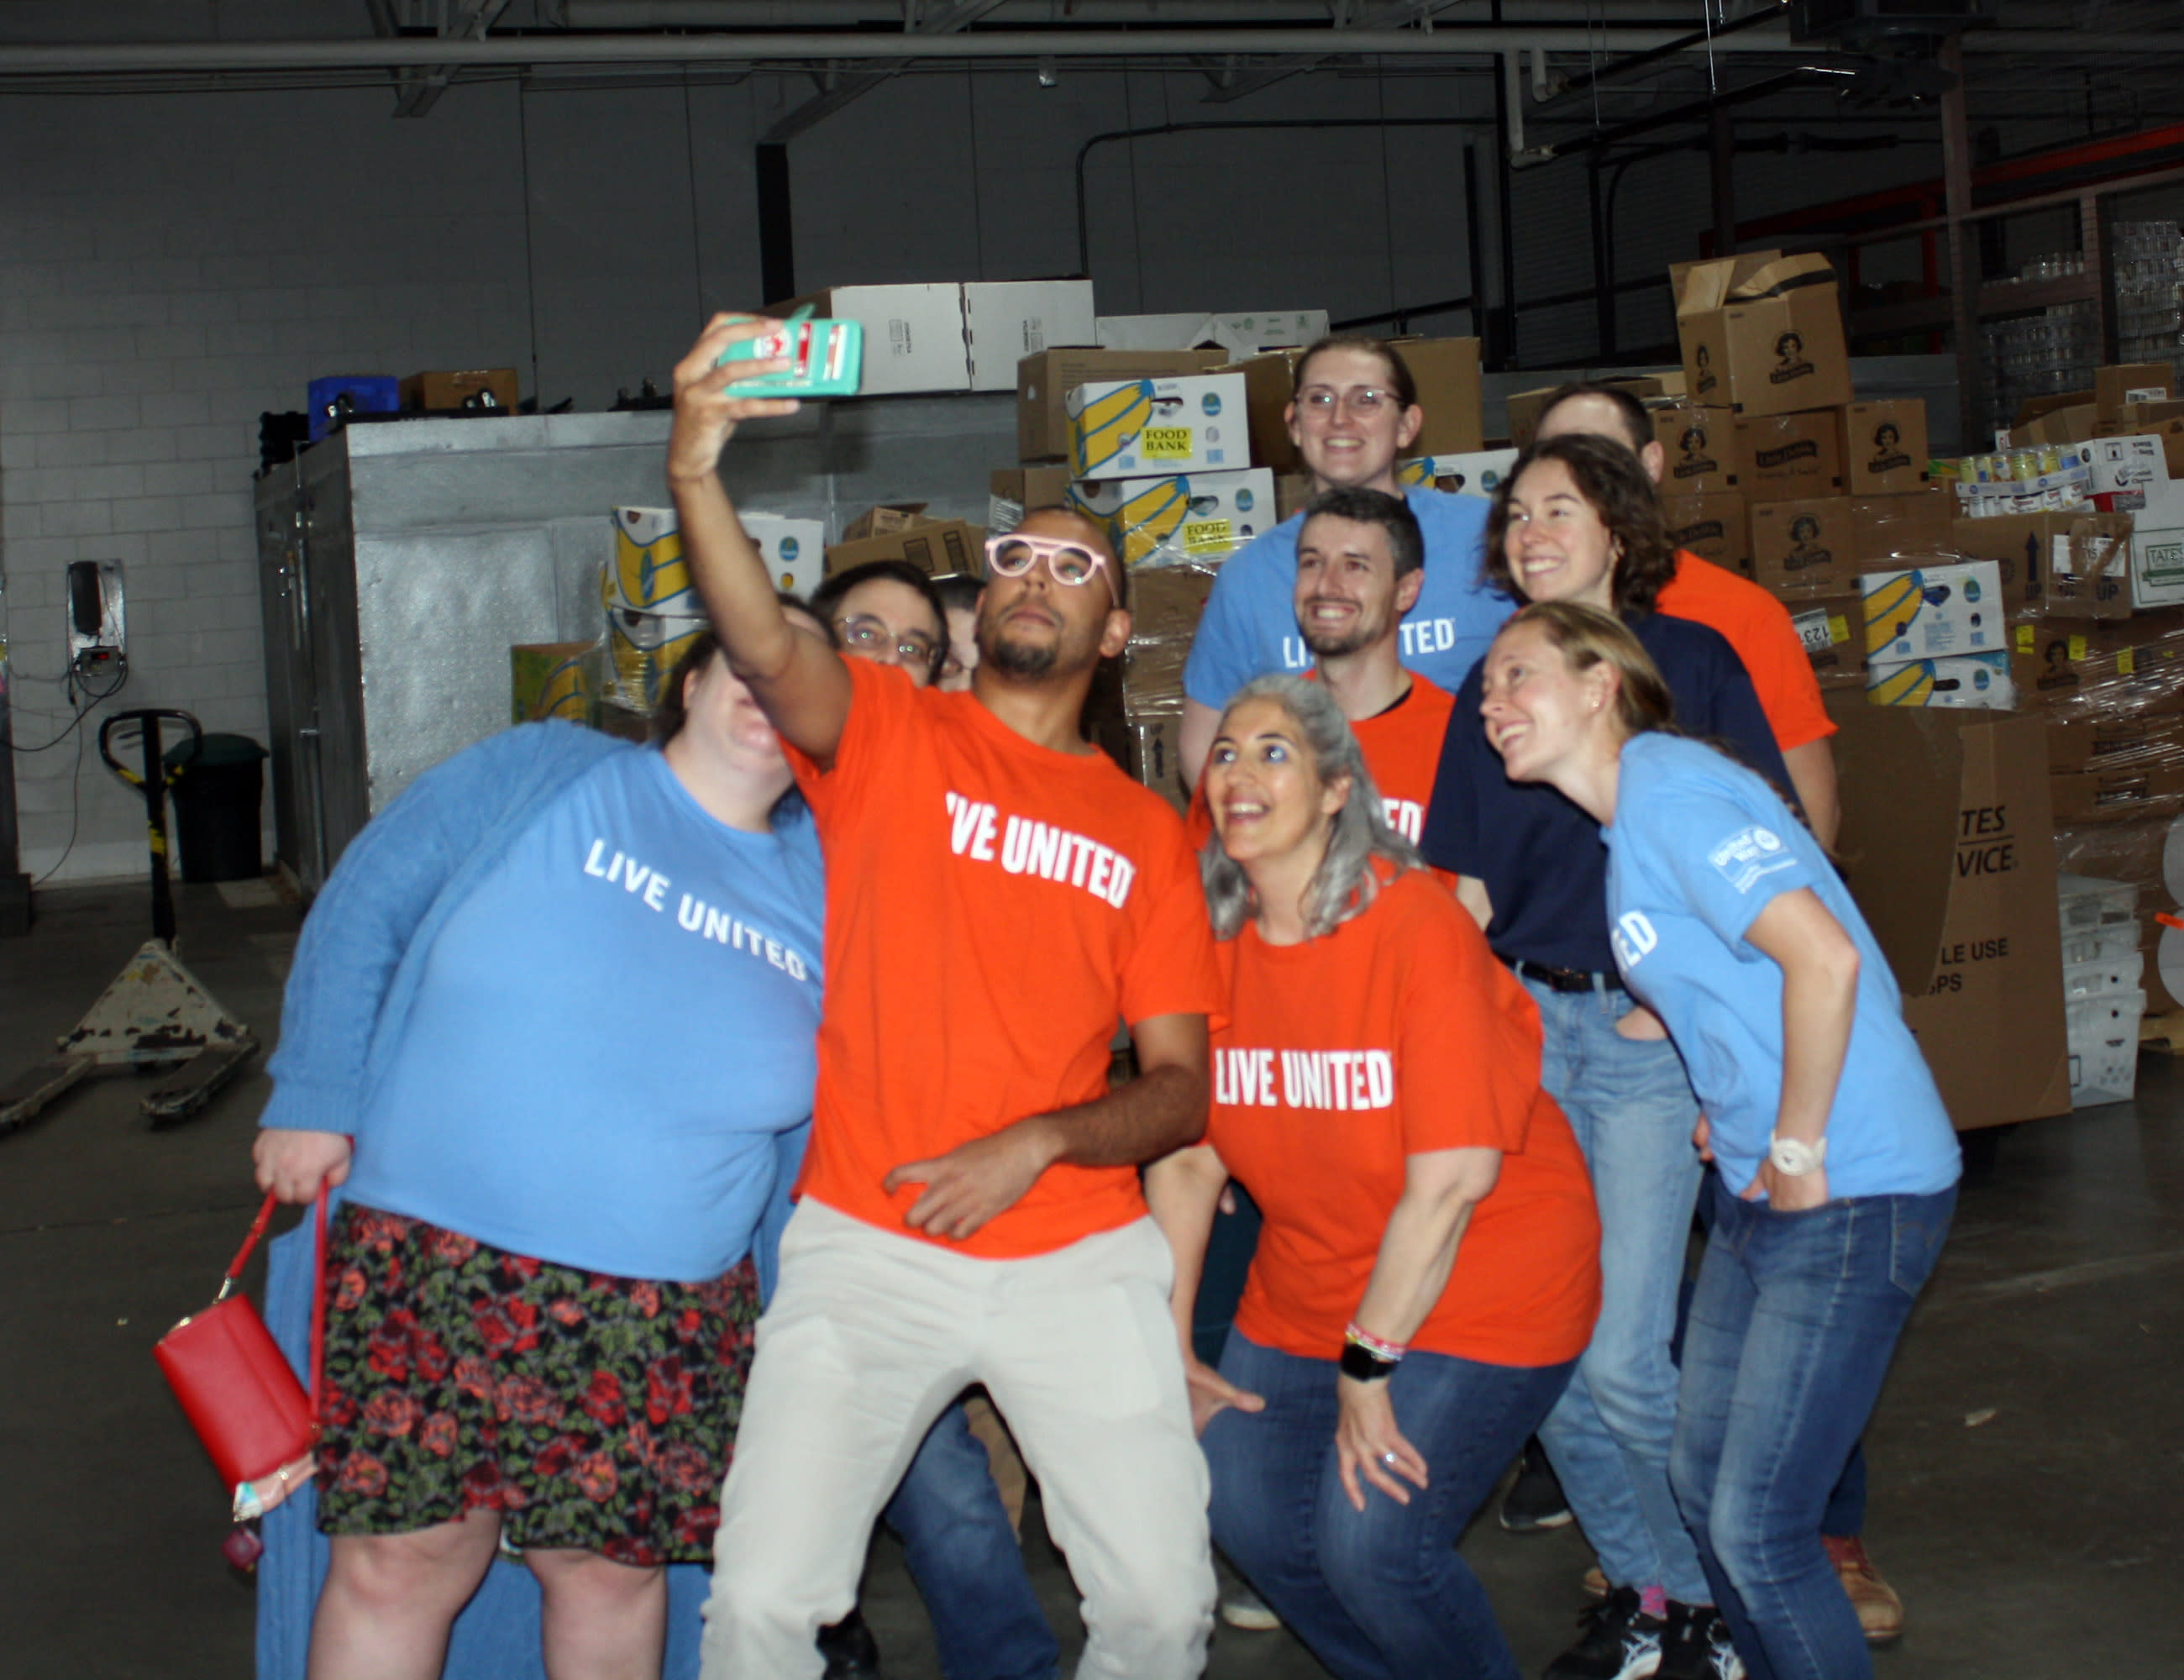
1534,1500
1695,1645
850,1650
1620,1642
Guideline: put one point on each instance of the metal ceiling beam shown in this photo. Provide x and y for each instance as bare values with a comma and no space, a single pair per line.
938,19
417,90
1232,84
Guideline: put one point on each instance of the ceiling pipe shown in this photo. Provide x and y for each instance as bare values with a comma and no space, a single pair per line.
1448,41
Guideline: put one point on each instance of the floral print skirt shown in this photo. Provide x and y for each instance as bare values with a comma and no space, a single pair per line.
592,1412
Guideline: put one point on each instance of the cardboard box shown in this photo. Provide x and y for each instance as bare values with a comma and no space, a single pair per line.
2137,741
1044,381
1522,408
2157,548
1980,681
2073,424
2063,565
2164,421
1761,332
1144,428
1883,446
1445,371
1182,516
2130,382
1934,612
1156,745
936,549
1915,525
1713,525
1831,628
1698,447
1292,491
1268,381
1005,321
1786,458
1804,548
1166,603
913,334
1948,841
1013,492
794,549
2120,795
493,390
555,679
1479,473
1240,335
2100,670
2120,471
881,521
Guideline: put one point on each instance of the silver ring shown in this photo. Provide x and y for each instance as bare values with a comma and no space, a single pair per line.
1388,1459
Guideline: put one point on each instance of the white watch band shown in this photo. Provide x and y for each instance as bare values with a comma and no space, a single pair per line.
1794,1159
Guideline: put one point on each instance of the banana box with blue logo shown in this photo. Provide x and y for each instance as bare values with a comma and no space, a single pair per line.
1135,428
1929,612
1181,516
1478,473
1980,680
794,549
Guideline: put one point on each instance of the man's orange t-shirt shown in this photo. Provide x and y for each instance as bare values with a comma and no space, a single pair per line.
1758,626
992,907
1396,1035
1402,749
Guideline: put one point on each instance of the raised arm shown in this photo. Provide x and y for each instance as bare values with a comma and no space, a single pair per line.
799,683
1162,1109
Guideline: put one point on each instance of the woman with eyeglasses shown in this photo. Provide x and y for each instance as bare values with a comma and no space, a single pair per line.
1577,521
1838,1165
887,611
1429,1270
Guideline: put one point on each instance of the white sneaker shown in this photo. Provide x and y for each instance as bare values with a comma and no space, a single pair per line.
1241,1607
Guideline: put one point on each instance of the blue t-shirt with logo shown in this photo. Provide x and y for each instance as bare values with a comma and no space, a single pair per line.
1699,847
1250,626
610,1036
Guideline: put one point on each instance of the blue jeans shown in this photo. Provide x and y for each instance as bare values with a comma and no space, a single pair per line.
1631,1106
1792,1331
987,1622
1381,1595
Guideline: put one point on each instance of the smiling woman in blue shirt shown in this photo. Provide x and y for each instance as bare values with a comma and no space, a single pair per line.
1838,1165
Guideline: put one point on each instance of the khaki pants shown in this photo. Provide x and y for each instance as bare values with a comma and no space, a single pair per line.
870,1336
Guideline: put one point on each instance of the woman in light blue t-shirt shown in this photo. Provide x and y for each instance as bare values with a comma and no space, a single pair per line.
1837,1163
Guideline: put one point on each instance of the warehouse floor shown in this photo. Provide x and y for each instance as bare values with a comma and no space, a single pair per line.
2028,1458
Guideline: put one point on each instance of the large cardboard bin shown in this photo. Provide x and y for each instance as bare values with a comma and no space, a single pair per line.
1947,841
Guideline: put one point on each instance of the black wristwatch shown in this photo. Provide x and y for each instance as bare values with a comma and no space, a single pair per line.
1366,1366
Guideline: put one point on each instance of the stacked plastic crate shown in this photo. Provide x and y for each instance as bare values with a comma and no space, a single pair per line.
2102,967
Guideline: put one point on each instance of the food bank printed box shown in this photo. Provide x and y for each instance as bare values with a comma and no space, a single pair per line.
1182,516
1139,427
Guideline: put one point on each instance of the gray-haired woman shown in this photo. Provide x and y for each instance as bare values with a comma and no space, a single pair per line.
1428,1270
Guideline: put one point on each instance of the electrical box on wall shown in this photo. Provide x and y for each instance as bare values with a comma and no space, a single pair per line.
97,628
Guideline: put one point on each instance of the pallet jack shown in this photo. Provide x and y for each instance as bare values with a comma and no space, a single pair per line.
155,1014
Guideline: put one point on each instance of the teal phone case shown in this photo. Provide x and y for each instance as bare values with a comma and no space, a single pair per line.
827,359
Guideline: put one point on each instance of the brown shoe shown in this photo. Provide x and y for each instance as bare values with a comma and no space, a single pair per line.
1595,1583
1880,1611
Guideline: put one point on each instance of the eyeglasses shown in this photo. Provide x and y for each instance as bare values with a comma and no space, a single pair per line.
1365,400
867,636
1067,563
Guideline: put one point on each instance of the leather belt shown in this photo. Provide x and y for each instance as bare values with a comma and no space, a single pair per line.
1566,979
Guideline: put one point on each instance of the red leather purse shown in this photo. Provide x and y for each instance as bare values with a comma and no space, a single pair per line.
239,1393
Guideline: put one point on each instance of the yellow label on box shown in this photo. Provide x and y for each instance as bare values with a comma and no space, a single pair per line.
1167,443
1838,629
2127,662
1200,535
2077,648
2027,642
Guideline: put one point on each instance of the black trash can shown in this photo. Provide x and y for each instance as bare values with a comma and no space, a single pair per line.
216,800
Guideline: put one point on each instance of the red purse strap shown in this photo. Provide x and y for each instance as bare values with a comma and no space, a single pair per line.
258,1226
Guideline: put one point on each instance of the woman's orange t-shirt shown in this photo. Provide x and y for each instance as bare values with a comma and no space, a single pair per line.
1396,1035
993,908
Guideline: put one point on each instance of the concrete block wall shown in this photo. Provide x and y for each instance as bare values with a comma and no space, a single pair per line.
173,264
